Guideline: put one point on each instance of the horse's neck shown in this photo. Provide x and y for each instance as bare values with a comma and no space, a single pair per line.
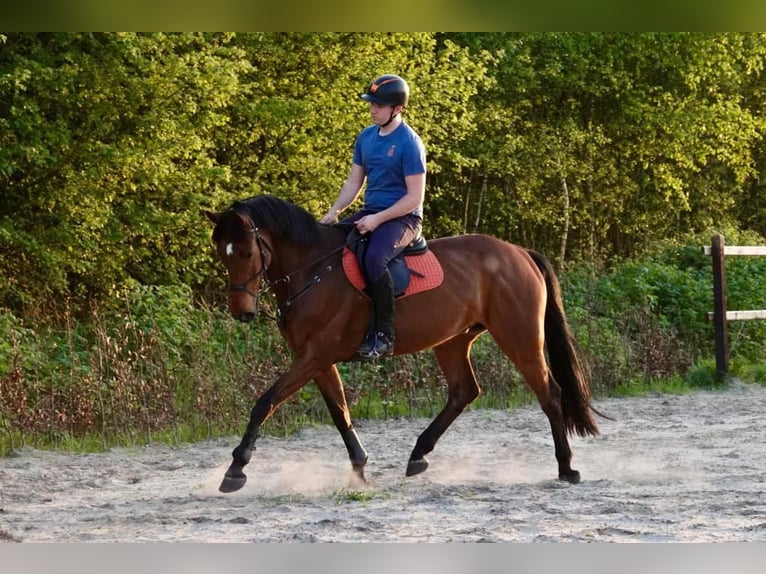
290,258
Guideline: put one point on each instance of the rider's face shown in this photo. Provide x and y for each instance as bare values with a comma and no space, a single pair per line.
381,113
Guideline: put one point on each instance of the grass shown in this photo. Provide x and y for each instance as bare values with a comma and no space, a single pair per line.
345,496
639,388
296,415
751,373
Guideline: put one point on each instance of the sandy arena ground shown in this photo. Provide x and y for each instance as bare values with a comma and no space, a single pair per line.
687,468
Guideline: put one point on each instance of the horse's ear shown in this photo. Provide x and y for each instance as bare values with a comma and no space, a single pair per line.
247,224
212,216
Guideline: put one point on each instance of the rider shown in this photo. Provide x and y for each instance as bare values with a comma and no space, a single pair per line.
391,157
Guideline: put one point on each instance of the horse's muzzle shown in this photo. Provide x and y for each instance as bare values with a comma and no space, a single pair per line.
245,317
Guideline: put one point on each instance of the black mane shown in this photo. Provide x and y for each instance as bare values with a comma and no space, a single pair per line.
281,219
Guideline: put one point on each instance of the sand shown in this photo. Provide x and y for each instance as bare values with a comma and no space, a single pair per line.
670,468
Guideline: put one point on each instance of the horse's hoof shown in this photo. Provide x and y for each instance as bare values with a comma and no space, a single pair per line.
357,479
416,466
357,476
571,476
232,483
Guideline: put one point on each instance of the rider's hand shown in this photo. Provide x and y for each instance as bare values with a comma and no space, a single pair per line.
330,219
367,224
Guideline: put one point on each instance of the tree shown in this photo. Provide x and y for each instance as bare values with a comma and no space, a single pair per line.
105,157
580,145
593,139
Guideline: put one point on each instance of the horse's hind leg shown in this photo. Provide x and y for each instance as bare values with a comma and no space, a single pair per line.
462,388
331,387
538,377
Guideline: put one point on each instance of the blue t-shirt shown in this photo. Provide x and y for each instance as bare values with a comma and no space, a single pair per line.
387,160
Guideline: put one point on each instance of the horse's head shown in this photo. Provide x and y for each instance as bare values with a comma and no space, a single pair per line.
246,255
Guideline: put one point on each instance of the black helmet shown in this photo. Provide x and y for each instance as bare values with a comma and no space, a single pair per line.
388,90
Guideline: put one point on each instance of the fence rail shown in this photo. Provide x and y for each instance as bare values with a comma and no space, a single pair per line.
737,249
740,315
720,316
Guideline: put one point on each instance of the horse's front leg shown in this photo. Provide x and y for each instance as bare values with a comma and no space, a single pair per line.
289,383
234,479
331,387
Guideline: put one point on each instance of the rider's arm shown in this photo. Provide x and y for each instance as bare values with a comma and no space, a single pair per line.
348,193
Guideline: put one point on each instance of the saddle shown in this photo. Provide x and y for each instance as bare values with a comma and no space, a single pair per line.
414,270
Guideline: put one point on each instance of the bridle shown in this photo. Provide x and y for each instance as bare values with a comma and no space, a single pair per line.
263,247
267,284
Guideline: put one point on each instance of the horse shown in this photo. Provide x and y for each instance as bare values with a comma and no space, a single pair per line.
489,285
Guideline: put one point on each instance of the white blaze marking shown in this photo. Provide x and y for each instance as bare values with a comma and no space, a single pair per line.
229,249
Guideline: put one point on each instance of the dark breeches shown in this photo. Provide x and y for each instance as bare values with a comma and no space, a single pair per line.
386,242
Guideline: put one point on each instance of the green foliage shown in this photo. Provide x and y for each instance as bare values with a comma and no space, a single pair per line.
618,155
14,336
702,375
646,318
580,145
352,496
159,364
106,158
750,372
677,298
155,365
673,385
594,141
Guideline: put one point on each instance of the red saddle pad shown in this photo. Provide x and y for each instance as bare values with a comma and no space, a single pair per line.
427,272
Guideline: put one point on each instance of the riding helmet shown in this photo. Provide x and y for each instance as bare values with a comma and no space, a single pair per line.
388,90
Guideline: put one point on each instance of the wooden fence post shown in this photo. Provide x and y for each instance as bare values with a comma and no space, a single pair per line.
719,308
720,315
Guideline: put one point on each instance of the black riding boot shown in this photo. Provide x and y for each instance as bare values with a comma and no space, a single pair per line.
379,341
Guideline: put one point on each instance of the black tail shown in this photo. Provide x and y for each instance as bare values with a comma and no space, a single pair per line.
564,357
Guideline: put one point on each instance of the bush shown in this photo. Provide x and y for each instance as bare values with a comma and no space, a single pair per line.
155,363
647,319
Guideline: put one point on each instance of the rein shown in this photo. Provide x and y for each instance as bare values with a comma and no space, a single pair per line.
267,284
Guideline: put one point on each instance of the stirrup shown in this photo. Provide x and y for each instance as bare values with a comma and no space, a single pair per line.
376,345
367,348
384,345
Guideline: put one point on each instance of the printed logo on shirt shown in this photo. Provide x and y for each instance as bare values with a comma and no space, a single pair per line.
391,151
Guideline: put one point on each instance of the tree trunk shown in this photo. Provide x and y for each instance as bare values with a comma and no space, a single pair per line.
565,230
466,205
478,208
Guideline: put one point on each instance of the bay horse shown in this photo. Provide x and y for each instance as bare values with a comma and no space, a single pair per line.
489,285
